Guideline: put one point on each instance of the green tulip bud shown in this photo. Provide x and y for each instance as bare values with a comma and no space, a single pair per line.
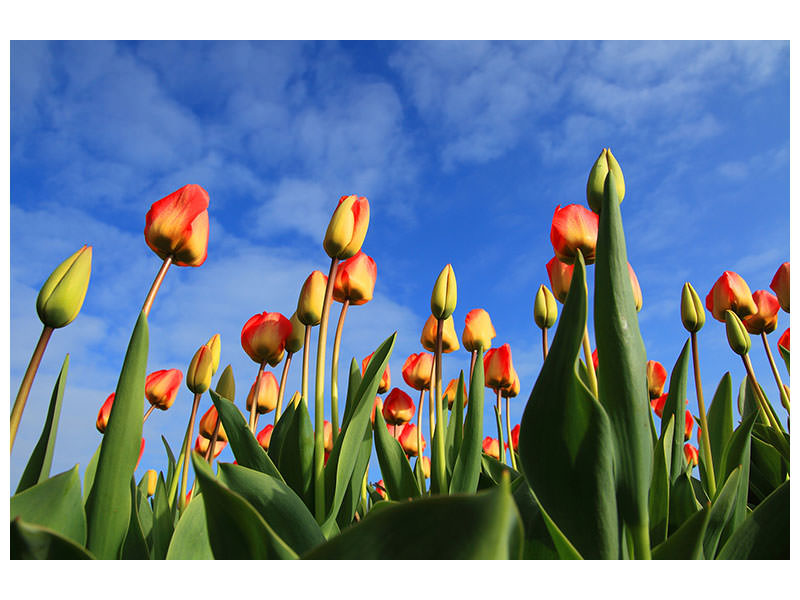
296,339
62,295
605,164
545,310
738,337
693,315
198,375
226,386
443,298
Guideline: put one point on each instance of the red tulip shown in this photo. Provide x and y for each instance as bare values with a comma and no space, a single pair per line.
730,292
201,445
478,330
656,378
560,275
398,408
687,432
417,370
408,439
498,368
161,387
177,226
780,285
574,228
783,341
595,360
381,489
264,337
347,228
355,279
264,436
267,397
386,378
515,438
491,447
691,454
102,416
765,318
327,435
657,404
209,422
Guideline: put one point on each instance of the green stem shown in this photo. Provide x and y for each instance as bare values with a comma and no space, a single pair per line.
419,432
508,430
498,412
705,441
441,472
282,389
641,542
27,382
758,394
306,342
337,340
473,357
186,440
544,343
776,374
254,404
587,354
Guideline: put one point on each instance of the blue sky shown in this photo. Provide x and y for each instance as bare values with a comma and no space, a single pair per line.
464,149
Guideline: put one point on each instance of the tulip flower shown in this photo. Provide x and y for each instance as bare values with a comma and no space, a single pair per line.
398,408
657,404
105,412
605,164
208,423
161,387
478,330
730,292
780,285
491,447
267,395
198,375
691,454
355,279
637,291
560,275
264,436
264,337
515,438
498,368
152,481
574,228
408,440
784,341
449,337
508,393
202,445
765,319
451,390
381,489
177,226
595,360
347,228
656,378
386,378
417,371
327,435
426,467
513,390
312,297
444,295
214,345
687,432
693,316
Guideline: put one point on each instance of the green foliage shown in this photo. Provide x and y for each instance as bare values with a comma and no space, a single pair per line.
467,468
190,540
764,535
398,479
40,543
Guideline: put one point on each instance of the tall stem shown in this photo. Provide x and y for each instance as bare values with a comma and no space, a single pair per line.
508,431
319,405
419,428
147,414
776,373
282,389
151,295
337,340
473,357
186,440
431,400
27,381
306,342
544,343
254,405
587,354
759,396
500,439
208,456
705,441
441,468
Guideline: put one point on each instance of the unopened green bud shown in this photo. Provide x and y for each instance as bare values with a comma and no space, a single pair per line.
738,337
62,295
226,386
545,310
693,315
198,375
296,339
605,164
443,298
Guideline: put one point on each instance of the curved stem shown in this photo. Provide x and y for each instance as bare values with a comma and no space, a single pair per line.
587,354
419,428
209,456
431,409
438,447
282,389
705,441
508,431
147,414
500,439
151,295
544,343
27,382
337,340
776,373
759,396
186,440
306,342
254,405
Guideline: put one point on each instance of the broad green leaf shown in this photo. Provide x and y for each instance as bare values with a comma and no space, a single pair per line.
682,502
779,441
621,380
352,495
565,424
455,427
494,469
785,355
467,469
134,547
171,465
54,503
162,529
767,470
480,526
279,433
764,534
145,511
721,512
109,503
88,474
296,461
30,541
235,529
190,540
658,502
353,383
737,453
687,542
277,504
38,467
720,422
246,449
675,407
538,544
398,478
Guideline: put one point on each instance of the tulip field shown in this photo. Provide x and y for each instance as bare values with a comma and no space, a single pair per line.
599,466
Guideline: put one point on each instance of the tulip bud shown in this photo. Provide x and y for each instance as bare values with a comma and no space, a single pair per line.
687,432
426,467
215,347
785,340
408,440
381,489
780,285
226,386
691,454
574,228
398,408
264,337
327,436
386,378
201,445
152,481
491,447
105,412
417,371
355,279
637,291
560,275
443,298
264,436
605,164
161,387
267,398
347,228
296,339
449,337
765,319
61,297
730,292
656,378
478,330
515,438
198,375
312,297
738,338
693,315
513,390
498,368
209,422
595,360
177,226
377,405
545,310
451,391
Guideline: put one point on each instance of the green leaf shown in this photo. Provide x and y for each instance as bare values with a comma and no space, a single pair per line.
566,445
245,447
161,533
537,544
778,440
40,543
659,486
279,433
171,464
764,535
494,469
38,467
353,383
675,407
687,542
54,503
721,512
455,427
144,510
785,355
480,526
622,381
278,505
109,503
296,462
398,478
467,469
737,453
235,529
134,547
88,474
190,540
682,502
720,422
767,469
352,495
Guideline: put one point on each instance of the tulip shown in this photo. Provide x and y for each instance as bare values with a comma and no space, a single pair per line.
386,378
327,435
426,467
381,490
656,378
295,341
267,395
264,436
202,445
560,275
637,291
355,279
693,316
61,297
209,422
657,404
398,408
347,228
508,393
765,319
513,390
478,330
161,387
515,438
730,292
105,412
264,337
177,226
214,345
312,297
491,447
449,337
451,390
780,285
498,367
738,338
152,481
687,432
408,440
444,295
417,371
377,406
198,375
605,164
574,229
784,341
545,310
691,454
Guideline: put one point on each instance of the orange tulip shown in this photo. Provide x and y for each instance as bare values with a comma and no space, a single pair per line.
780,285
637,291
379,487
355,279
264,337
451,390
784,340
347,228
386,379
267,394
209,422
398,408
560,275
449,337
491,447
177,226
327,435
376,406
478,330
657,404
498,368
515,438
687,432
264,436
730,292
417,370
656,378
765,319
408,439
574,228
426,467
311,299
201,445
161,387
691,454
102,416
513,390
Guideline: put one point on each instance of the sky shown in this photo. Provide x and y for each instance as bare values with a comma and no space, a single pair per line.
464,150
